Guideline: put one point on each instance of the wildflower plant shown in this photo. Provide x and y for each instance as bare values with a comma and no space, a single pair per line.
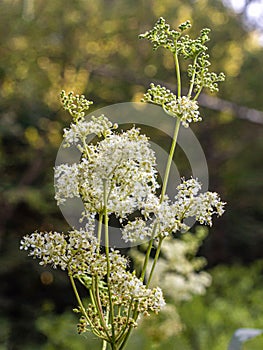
117,176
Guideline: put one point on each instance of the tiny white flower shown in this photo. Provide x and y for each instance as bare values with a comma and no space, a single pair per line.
78,132
66,182
185,109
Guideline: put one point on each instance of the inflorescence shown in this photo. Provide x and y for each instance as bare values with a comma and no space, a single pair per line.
117,175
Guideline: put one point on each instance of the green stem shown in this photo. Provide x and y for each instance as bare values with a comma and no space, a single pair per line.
82,308
193,78
95,298
146,259
198,93
91,293
122,333
178,74
99,231
170,159
155,261
86,147
104,345
164,187
107,251
150,245
126,339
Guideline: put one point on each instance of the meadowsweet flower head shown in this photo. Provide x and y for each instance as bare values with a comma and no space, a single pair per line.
136,231
189,202
124,162
128,287
66,182
166,217
78,132
69,251
184,108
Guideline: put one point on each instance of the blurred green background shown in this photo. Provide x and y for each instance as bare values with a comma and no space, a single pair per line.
92,47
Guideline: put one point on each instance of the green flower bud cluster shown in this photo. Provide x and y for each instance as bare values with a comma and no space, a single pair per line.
181,45
75,104
190,48
159,95
200,75
184,108
173,40
162,35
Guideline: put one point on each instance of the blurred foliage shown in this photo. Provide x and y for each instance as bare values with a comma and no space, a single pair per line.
61,333
233,301
92,47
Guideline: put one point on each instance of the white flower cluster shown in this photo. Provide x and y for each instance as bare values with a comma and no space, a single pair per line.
185,109
168,217
127,165
116,175
123,162
78,132
136,231
186,286
181,107
190,203
164,222
127,288
128,295
66,182
70,251
78,253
